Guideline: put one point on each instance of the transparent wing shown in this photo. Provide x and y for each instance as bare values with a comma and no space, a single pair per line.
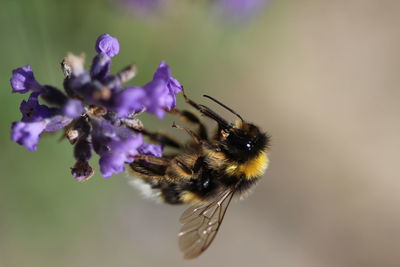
200,224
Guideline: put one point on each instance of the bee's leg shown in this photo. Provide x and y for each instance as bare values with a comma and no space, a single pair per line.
194,135
190,101
153,159
192,118
161,139
143,172
154,175
149,167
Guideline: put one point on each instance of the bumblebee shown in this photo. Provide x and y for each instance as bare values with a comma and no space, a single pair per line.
206,173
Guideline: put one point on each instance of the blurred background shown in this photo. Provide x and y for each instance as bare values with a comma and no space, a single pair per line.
320,76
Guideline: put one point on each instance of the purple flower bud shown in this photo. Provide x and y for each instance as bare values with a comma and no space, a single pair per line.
23,80
73,108
27,134
107,44
150,149
101,65
32,111
129,100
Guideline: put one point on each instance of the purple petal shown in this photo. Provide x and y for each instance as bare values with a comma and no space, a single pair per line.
103,131
158,97
150,149
129,100
27,134
111,164
106,138
164,72
107,44
56,123
161,91
174,85
23,80
120,152
32,111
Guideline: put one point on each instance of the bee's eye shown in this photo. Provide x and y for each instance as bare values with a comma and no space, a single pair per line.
206,183
249,145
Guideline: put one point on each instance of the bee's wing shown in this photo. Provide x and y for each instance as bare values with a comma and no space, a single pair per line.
200,224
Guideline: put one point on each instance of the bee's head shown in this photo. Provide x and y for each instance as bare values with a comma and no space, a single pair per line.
241,141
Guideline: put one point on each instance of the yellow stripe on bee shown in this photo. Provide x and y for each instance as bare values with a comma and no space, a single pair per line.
251,169
232,169
189,197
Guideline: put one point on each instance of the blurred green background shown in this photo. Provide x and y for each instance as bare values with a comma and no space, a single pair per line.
320,76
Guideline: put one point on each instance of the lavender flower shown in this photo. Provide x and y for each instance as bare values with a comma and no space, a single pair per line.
115,145
160,92
95,111
36,118
27,134
174,87
23,80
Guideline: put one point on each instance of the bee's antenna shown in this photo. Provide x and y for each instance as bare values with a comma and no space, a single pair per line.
228,108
